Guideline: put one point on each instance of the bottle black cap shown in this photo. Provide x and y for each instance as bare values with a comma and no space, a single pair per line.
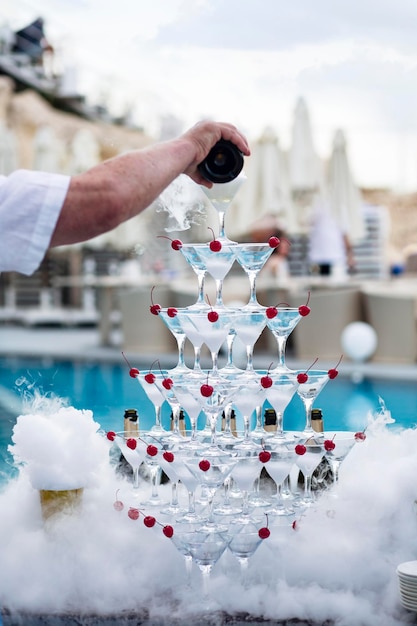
270,417
223,163
316,414
131,414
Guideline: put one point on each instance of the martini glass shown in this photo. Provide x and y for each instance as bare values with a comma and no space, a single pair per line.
252,257
218,264
220,196
157,399
213,395
133,453
278,467
205,550
212,333
190,253
173,323
189,404
165,384
211,473
344,442
308,392
251,395
281,327
279,395
187,478
243,544
192,333
307,462
244,473
248,325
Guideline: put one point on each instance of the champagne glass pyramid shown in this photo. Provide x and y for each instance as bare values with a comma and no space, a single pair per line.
252,257
220,196
278,467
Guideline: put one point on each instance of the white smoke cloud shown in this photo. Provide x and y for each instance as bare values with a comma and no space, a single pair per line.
339,564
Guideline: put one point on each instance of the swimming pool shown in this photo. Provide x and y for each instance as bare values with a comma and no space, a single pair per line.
107,389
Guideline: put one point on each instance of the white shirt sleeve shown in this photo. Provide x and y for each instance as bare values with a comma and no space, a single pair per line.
30,203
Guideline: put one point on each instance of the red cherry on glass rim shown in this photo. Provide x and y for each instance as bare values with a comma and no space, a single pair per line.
274,242
264,532
215,245
332,373
118,504
111,435
150,378
133,513
300,449
131,443
172,311
204,465
134,372
176,244
271,312
167,383
302,377
304,309
149,521
360,436
212,316
168,531
206,390
329,445
266,382
168,456
154,308
264,456
151,450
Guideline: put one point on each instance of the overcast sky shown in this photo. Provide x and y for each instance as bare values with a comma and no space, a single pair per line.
247,61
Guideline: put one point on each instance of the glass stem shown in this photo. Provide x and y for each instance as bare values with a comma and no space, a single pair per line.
230,339
307,488
191,502
259,427
221,224
252,283
197,355
201,277
219,291
174,494
155,471
249,358
135,477
205,570
308,404
281,345
180,338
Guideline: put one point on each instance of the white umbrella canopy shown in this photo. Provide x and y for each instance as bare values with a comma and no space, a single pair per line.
266,193
304,164
344,198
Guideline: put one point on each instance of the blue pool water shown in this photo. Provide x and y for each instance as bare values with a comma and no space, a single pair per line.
107,390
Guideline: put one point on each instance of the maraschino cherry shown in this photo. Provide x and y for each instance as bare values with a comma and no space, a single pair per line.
333,372
300,449
274,242
168,456
204,465
215,245
272,311
206,389
176,244
118,504
264,532
212,315
329,444
266,380
154,308
304,309
133,371
360,436
302,377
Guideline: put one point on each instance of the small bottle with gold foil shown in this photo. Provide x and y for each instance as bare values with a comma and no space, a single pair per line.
317,420
270,420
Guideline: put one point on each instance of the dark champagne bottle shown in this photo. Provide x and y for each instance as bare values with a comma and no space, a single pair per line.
223,163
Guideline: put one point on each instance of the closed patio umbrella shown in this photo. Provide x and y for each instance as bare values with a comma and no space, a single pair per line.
344,198
304,164
266,192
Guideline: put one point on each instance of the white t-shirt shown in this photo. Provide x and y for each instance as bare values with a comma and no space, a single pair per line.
30,203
